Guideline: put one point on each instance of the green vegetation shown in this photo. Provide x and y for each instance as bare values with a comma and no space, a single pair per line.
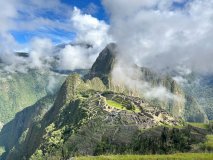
116,105
78,124
179,156
15,132
128,106
209,141
208,145
199,125
2,150
20,90
177,126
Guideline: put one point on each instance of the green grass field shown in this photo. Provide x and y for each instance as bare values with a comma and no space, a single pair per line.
2,150
181,156
199,125
119,106
116,105
208,145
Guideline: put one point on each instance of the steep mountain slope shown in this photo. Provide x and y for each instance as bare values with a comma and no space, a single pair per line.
106,122
201,87
103,64
107,118
14,132
22,84
186,106
19,90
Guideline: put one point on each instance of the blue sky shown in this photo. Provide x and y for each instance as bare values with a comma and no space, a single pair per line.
153,28
85,4
59,35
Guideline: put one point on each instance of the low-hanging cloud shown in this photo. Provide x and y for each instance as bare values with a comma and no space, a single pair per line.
41,53
89,31
130,76
162,34
92,36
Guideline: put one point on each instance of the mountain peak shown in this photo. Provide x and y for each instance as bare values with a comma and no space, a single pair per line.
104,63
105,60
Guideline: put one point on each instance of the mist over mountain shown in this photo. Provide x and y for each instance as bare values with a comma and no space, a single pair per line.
105,77
88,108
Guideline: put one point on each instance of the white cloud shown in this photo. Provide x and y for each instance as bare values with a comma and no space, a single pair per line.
53,81
180,80
130,76
21,15
156,34
41,53
74,57
30,16
90,31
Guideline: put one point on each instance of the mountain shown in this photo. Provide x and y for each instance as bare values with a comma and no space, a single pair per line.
107,119
186,107
103,64
22,85
20,90
14,132
201,87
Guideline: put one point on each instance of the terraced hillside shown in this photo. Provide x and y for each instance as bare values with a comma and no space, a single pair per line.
108,118
83,112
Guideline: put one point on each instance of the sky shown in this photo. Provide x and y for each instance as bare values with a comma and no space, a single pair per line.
33,19
37,26
166,36
158,34
58,34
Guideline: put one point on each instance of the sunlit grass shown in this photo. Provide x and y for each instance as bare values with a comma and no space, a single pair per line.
209,142
119,106
199,125
116,105
172,126
137,110
2,150
181,156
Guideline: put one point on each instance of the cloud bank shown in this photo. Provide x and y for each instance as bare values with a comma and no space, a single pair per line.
90,31
32,16
162,34
131,77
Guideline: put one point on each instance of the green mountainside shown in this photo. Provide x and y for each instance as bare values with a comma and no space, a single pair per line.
20,90
14,132
83,112
92,116
22,86
201,87
187,107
